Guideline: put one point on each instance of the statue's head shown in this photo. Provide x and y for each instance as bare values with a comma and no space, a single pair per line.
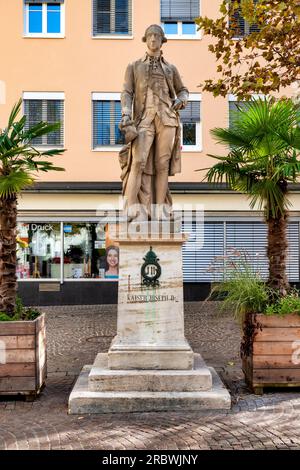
154,36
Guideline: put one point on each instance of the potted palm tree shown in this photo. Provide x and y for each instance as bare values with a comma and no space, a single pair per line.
22,330
263,158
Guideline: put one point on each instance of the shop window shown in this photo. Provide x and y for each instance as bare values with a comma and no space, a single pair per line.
89,252
38,253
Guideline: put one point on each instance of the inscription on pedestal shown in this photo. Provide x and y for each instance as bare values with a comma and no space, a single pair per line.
145,298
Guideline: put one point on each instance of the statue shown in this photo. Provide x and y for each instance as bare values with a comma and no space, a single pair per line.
152,95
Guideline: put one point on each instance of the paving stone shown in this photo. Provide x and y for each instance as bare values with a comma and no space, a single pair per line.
76,334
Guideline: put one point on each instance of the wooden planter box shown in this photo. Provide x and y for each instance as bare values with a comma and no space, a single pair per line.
271,357
22,357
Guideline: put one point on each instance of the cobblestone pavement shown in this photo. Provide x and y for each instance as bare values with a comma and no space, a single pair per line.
76,334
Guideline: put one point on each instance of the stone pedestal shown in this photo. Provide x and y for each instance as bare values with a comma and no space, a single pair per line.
150,366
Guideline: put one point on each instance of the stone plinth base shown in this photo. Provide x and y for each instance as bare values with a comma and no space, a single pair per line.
103,379
85,401
157,359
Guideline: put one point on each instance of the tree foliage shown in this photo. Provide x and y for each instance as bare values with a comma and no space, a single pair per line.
263,61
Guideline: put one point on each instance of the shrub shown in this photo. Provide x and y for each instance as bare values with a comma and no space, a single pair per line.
21,313
285,305
243,290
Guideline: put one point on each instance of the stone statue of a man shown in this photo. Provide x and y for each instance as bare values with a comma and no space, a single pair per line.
152,95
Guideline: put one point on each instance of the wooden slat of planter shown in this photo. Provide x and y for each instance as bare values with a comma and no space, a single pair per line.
17,370
278,334
276,375
271,348
22,341
276,321
274,361
17,328
14,384
42,376
20,355
40,349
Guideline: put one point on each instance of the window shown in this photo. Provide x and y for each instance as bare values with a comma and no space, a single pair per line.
203,262
234,107
44,18
39,250
252,237
88,252
240,26
112,17
66,250
106,117
177,17
47,107
191,124
201,249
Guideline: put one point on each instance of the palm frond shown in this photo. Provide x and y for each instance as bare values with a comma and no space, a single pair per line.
264,142
14,182
17,128
40,129
14,112
230,137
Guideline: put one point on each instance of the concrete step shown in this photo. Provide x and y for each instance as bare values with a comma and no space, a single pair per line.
84,401
103,379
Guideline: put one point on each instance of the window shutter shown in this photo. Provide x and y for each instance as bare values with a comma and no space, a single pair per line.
237,24
250,238
234,110
55,112
179,10
34,115
112,17
101,17
44,1
106,118
293,252
191,113
240,26
204,263
50,111
201,249
123,17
